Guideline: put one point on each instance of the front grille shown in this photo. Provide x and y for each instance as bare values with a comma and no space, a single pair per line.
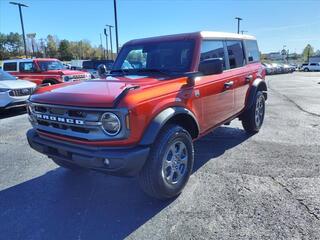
75,122
21,92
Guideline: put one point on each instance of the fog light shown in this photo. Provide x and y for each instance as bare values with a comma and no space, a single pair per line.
106,161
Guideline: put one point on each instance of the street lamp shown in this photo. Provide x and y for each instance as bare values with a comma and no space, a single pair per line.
21,19
116,23
105,33
110,33
238,19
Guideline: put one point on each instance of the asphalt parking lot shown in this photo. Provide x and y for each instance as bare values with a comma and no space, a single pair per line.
265,186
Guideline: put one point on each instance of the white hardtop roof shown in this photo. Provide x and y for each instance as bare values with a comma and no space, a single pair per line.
225,35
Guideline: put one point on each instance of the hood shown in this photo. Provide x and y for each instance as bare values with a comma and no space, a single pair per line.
16,84
94,93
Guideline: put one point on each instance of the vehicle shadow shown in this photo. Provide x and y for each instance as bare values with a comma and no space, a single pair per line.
67,205
12,112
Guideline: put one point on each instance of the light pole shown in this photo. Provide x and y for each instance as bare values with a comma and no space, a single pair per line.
107,50
21,19
101,48
238,19
116,23
110,33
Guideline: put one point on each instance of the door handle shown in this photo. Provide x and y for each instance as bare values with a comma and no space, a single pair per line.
248,78
228,85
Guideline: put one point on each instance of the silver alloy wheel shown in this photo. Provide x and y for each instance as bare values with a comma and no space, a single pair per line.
175,162
259,111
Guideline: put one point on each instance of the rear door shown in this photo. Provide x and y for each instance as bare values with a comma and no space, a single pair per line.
216,91
28,71
244,68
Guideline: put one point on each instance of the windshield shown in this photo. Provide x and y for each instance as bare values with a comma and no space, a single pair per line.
6,76
95,64
50,65
169,56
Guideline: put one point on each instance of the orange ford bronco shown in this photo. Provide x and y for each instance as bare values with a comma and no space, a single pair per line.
141,119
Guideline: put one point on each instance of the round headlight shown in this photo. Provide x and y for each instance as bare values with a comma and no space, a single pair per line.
66,78
111,123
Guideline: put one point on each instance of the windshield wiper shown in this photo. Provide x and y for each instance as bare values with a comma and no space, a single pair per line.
123,71
155,70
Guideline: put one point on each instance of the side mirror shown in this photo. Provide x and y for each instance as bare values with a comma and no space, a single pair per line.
102,69
211,66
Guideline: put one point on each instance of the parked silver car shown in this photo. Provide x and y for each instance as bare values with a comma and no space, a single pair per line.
14,92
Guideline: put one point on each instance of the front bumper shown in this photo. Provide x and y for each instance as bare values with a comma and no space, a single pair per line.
7,101
122,161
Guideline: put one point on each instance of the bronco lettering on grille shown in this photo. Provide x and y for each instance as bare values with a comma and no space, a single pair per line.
60,119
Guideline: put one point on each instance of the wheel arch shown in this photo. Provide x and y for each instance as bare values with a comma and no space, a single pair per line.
172,115
50,80
258,85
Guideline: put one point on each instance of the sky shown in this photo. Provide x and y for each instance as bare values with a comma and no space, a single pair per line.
275,23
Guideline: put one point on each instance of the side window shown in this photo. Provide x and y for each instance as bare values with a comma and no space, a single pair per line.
252,50
313,64
26,67
10,66
212,49
235,53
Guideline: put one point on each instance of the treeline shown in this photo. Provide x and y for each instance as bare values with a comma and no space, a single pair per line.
11,46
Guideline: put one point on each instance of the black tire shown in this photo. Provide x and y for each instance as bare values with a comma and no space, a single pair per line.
67,165
306,70
152,177
249,120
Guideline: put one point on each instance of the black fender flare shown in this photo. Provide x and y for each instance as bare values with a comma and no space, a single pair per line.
161,119
258,84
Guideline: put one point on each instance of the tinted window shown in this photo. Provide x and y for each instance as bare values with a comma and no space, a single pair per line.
26,67
11,66
212,49
252,50
173,56
313,64
235,53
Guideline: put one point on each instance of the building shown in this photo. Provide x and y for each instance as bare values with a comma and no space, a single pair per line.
314,59
274,56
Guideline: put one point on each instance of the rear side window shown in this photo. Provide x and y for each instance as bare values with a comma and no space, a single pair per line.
212,49
10,66
252,49
235,53
26,67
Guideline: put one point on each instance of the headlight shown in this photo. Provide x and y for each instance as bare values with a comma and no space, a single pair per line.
66,78
4,90
111,123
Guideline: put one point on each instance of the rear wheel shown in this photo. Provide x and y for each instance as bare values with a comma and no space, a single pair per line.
169,165
306,69
254,116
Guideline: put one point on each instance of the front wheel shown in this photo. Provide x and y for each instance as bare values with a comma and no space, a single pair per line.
254,116
169,165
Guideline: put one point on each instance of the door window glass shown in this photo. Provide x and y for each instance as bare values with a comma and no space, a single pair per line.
235,53
212,49
26,67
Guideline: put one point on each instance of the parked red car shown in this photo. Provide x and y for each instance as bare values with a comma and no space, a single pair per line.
43,70
162,94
